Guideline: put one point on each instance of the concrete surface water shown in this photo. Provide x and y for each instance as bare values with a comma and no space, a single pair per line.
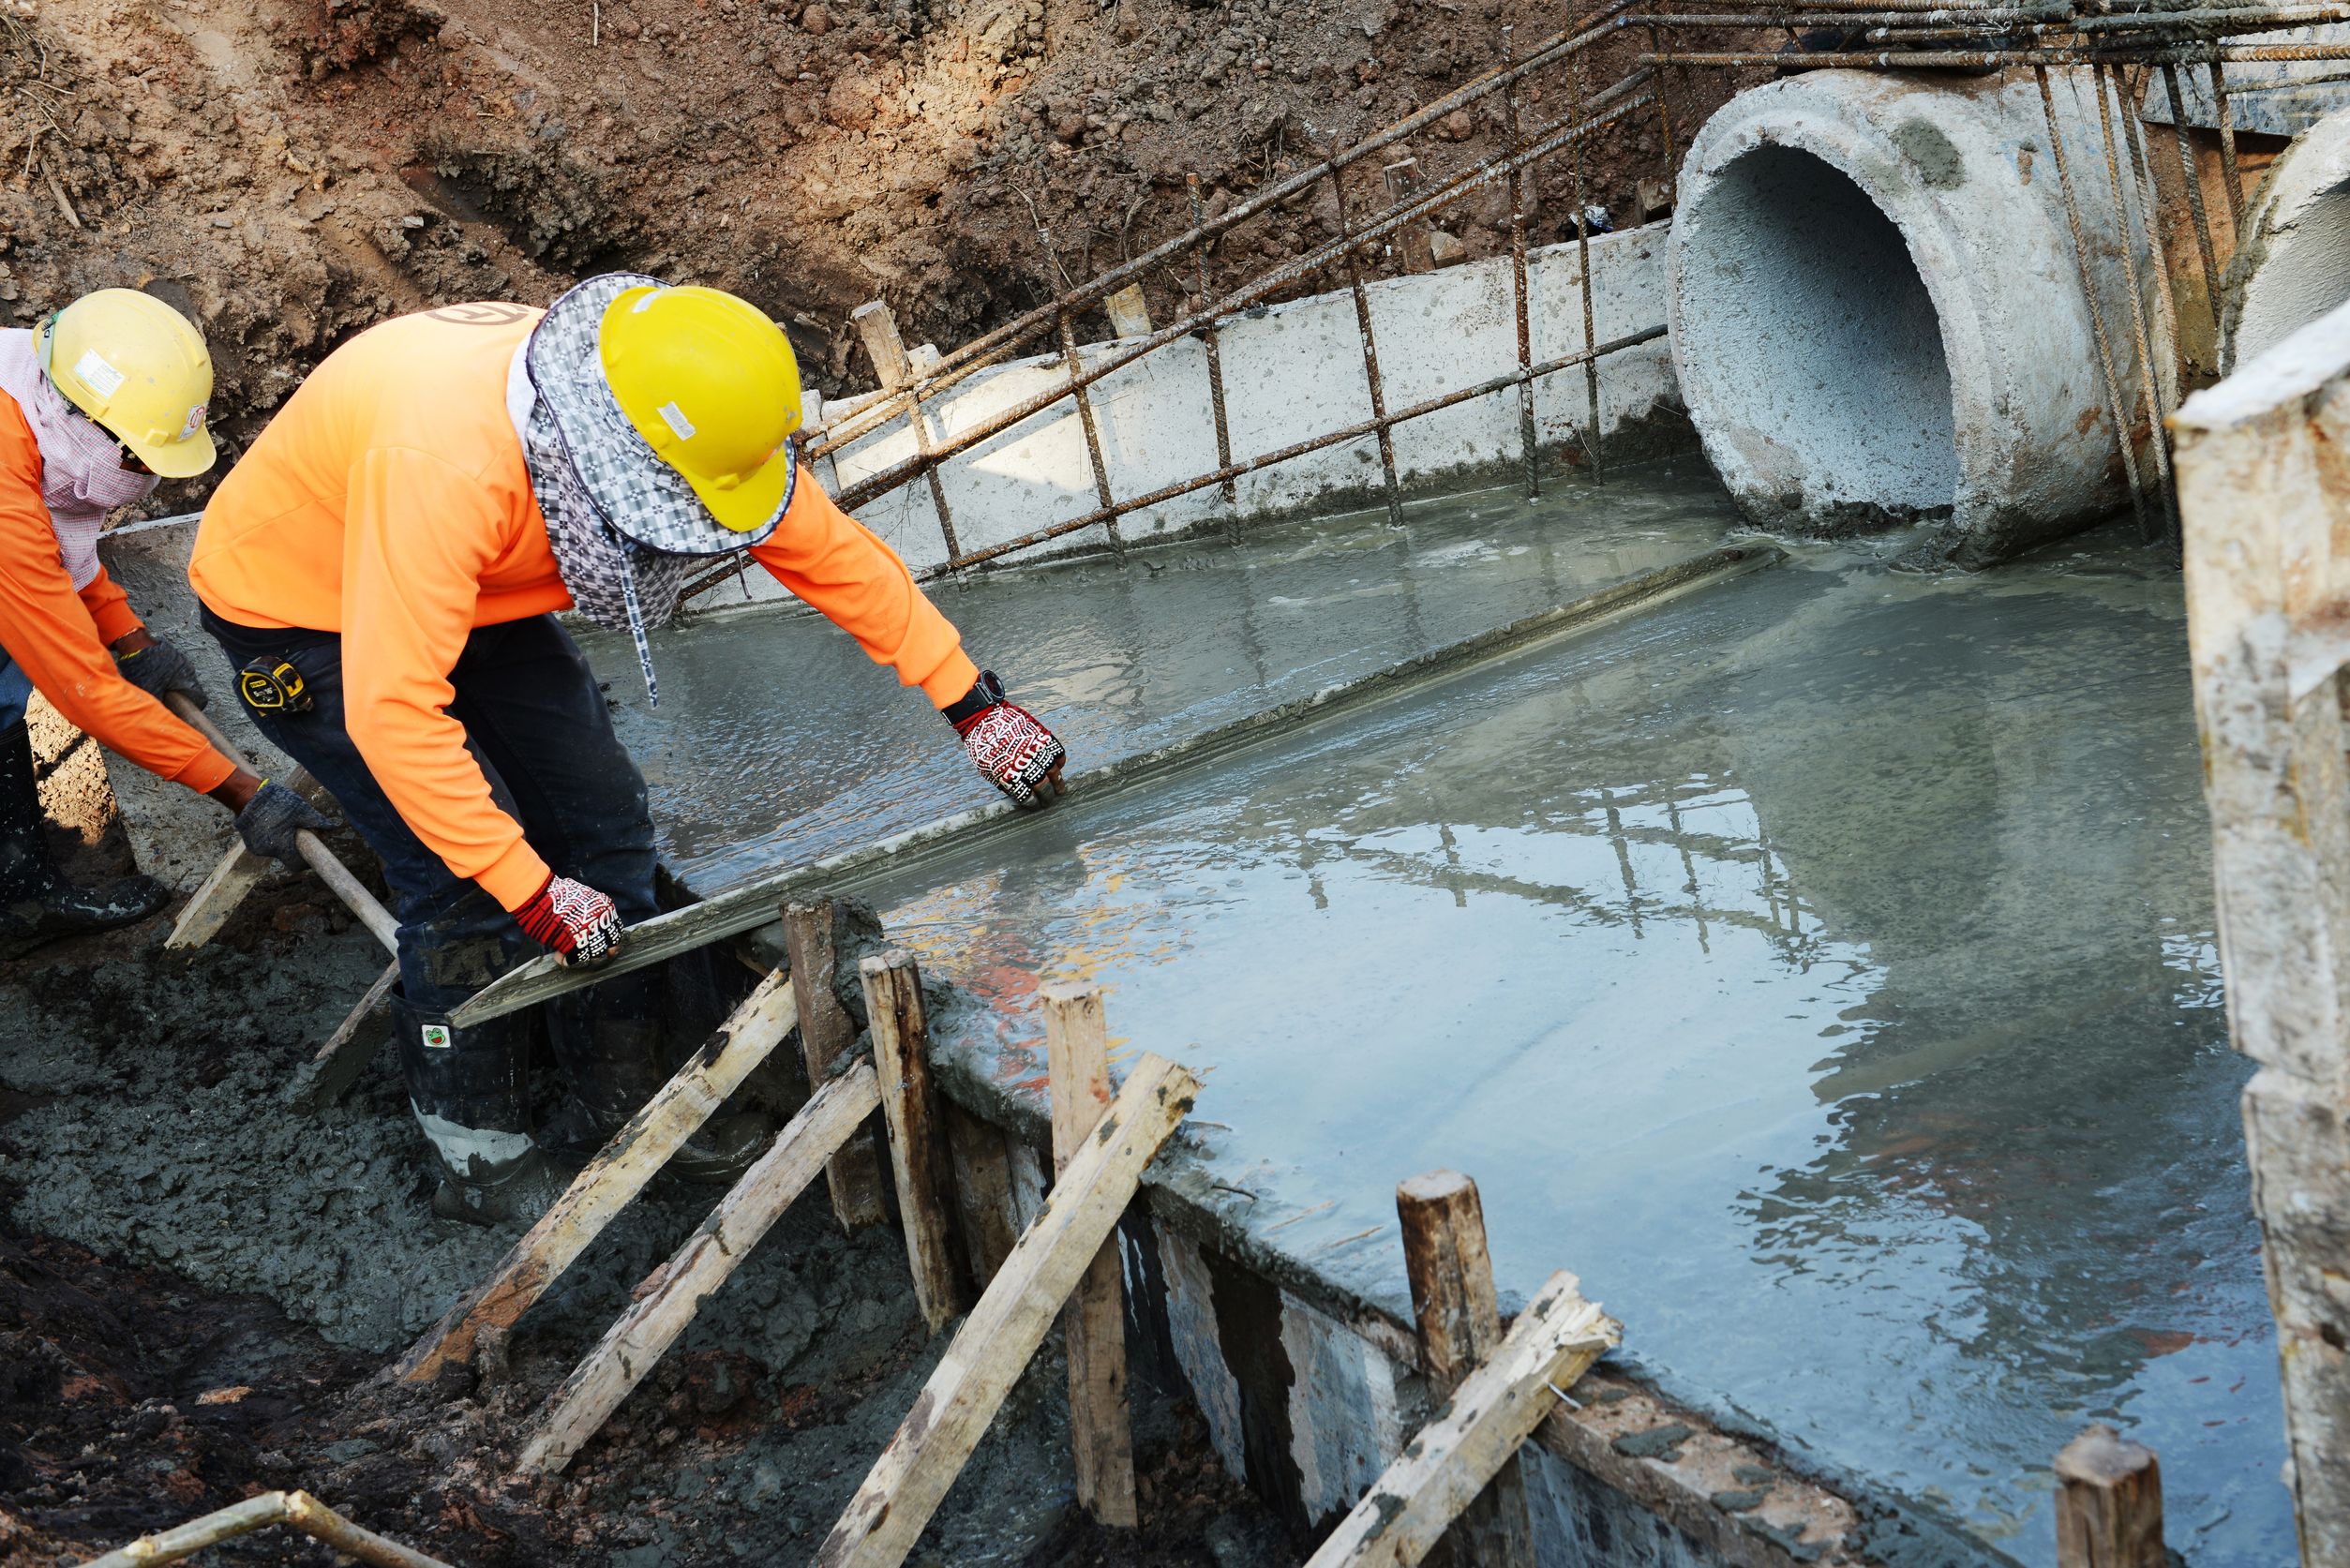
777,740
1821,965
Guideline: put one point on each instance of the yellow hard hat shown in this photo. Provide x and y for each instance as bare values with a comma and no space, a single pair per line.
139,367
712,387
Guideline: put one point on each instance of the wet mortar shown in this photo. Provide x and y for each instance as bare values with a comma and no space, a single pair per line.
1821,965
1830,955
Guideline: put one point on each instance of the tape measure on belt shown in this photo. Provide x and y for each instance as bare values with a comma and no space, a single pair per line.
273,685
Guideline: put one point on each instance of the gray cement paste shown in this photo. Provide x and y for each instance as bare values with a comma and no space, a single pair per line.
777,740
1822,966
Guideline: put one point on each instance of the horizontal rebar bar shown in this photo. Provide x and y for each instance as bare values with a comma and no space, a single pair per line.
1298,449
1976,59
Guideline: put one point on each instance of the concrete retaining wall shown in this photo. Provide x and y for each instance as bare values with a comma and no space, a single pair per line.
1291,371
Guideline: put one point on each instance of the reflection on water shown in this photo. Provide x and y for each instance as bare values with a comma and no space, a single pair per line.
1821,966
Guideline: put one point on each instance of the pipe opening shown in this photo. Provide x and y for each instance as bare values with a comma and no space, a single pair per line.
1821,348
2304,275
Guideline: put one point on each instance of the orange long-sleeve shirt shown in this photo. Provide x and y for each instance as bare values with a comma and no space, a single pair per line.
59,637
388,502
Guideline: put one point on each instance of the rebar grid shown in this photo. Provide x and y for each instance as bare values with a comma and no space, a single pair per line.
2104,35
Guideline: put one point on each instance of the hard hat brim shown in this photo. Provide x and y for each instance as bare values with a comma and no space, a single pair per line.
751,504
180,459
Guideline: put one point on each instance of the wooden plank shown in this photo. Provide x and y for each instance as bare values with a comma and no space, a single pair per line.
1451,1272
299,1509
1100,1425
2109,1504
826,1030
217,897
752,904
917,1134
672,1293
982,1190
615,1176
1552,1343
998,1340
321,1080
2262,491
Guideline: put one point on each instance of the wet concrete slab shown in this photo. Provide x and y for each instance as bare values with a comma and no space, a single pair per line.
1821,965
777,742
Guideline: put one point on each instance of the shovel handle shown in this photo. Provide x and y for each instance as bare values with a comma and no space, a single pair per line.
363,905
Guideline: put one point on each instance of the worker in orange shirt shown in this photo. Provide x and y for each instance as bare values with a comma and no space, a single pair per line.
98,403
382,569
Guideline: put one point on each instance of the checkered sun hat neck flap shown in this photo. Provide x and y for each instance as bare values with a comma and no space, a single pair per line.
643,500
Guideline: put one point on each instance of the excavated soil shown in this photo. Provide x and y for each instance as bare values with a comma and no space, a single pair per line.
199,1289
290,172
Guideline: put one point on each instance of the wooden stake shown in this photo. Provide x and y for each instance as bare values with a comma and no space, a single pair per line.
877,330
917,1133
2109,1514
826,1030
322,1080
982,1188
674,1113
1460,1325
1101,1427
1552,1343
672,1293
1000,1337
1129,313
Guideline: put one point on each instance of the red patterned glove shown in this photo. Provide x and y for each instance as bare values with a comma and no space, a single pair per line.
572,917
1012,750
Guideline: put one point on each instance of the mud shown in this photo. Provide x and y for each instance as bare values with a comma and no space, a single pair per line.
202,1288
291,172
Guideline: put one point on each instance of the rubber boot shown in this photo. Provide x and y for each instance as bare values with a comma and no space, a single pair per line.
471,1090
616,1062
37,905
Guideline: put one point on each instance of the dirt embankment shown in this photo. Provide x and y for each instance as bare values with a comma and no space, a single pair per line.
292,171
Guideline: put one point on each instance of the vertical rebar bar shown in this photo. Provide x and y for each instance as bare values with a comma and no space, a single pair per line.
2191,173
2149,373
1664,113
2227,150
1093,438
1583,256
1371,346
2089,290
2159,255
1518,277
1215,351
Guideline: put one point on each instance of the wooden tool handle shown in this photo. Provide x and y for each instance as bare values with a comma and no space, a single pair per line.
363,905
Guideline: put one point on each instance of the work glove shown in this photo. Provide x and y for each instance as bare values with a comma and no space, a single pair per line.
577,923
159,667
272,817
1011,749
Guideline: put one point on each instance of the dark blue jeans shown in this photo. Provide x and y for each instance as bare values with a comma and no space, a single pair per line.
535,721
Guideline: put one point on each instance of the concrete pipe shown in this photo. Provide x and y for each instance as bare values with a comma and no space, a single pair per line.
1878,318
2294,265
